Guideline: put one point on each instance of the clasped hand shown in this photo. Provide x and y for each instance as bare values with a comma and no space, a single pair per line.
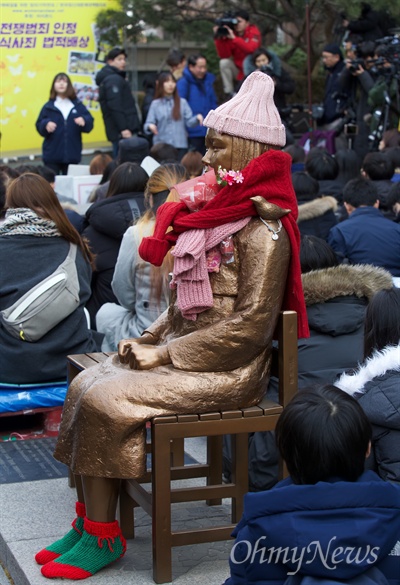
140,355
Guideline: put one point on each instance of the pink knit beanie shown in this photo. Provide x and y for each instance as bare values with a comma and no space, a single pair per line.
251,114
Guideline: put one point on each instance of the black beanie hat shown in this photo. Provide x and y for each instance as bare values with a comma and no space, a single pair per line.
334,49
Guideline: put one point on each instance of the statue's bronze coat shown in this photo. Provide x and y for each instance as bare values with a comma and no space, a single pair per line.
219,361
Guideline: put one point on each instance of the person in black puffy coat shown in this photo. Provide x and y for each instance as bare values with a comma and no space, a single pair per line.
117,103
106,221
61,122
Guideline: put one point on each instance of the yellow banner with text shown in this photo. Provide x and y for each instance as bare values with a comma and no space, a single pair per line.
38,39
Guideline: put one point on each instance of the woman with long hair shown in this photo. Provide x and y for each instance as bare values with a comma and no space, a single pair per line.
375,384
106,221
141,289
61,122
169,115
34,240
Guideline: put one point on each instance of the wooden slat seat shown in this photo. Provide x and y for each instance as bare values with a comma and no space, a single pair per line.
167,457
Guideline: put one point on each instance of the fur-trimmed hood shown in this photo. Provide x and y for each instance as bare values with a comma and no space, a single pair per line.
316,208
360,280
377,365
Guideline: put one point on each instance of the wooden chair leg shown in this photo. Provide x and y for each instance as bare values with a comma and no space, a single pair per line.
161,508
240,472
177,452
214,460
126,513
71,479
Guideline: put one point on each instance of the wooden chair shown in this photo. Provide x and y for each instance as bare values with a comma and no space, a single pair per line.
166,447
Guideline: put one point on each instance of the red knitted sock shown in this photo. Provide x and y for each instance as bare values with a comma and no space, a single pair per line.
68,541
101,544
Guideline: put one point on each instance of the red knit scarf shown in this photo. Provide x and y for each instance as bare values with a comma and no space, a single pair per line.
268,176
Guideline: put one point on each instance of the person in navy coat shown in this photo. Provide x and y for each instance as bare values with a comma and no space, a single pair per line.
330,522
61,122
367,236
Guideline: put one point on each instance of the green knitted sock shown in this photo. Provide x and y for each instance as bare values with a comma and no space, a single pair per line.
68,541
101,544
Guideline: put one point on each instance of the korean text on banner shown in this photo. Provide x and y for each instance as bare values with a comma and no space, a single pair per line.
38,39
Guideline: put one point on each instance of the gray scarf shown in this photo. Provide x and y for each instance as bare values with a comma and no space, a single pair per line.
22,221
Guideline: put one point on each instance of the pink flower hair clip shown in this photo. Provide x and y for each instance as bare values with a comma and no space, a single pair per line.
225,177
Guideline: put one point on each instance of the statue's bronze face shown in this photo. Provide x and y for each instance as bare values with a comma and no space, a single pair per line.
230,152
219,150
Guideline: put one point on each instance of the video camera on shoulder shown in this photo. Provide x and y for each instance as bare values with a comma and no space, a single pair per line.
228,20
390,47
364,52
388,52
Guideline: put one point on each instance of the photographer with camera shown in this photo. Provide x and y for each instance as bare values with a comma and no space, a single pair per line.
383,98
356,80
235,39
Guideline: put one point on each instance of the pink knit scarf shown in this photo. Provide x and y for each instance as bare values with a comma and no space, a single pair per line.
190,275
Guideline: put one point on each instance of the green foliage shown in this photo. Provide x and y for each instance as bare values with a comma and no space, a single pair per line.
116,26
212,58
353,9
109,32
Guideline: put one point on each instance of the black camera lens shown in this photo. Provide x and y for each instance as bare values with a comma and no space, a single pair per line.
355,65
226,21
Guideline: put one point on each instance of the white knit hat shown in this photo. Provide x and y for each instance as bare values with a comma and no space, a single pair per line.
251,114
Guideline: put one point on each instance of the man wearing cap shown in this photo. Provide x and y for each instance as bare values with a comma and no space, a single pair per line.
236,264
334,102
